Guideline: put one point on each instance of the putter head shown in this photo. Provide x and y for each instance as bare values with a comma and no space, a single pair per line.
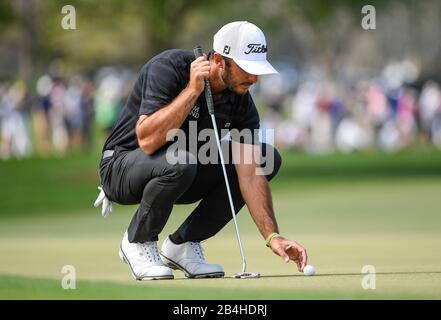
246,275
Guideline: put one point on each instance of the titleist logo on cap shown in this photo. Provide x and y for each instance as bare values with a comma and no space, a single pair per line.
256,48
245,43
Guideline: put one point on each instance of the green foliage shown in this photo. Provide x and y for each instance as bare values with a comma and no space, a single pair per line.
129,32
7,15
36,185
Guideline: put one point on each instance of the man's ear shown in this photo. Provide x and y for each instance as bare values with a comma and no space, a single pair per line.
219,60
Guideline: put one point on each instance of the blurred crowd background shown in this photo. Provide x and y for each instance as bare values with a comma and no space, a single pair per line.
340,88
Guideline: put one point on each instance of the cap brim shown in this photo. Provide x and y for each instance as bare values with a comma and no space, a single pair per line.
257,68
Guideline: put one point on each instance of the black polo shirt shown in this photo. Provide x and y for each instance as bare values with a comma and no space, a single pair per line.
160,81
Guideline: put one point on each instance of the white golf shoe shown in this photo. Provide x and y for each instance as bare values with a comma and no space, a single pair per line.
189,258
144,260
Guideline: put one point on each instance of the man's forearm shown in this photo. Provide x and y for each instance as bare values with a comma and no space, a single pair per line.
152,130
257,196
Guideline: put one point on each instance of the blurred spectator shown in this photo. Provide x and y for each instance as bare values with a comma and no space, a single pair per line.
351,136
88,112
436,130
41,116
304,105
314,115
383,112
377,105
64,115
429,105
73,116
14,135
60,138
321,126
111,95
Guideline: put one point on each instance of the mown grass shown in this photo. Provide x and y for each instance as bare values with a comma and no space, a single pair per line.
39,185
348,210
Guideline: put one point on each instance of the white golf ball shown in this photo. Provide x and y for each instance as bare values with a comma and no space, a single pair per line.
309,270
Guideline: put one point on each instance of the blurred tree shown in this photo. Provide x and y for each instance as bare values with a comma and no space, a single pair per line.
318,32
7,19
7,15
21,15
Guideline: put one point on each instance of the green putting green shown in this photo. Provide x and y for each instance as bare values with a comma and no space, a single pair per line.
374,210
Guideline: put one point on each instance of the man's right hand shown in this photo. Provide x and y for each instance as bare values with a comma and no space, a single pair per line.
290,250
199,71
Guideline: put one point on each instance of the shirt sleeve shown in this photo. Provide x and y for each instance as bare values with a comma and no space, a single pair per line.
161,85
247,122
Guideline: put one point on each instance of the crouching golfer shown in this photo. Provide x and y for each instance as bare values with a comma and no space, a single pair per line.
137,166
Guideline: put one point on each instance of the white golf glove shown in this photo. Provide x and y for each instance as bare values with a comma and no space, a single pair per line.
107,204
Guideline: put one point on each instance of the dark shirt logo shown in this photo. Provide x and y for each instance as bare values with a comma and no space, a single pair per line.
227,49
195,112
256,48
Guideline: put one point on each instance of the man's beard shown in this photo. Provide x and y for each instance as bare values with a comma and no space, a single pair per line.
226,78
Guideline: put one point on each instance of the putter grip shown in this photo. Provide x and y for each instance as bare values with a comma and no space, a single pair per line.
208,96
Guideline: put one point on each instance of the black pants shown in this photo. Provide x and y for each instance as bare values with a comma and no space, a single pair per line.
132,177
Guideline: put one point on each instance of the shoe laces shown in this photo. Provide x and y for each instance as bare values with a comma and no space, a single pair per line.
197,248
150,249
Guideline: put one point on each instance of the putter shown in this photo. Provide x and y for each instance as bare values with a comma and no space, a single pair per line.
209,98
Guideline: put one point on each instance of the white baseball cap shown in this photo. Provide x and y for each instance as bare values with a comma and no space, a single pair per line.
245,43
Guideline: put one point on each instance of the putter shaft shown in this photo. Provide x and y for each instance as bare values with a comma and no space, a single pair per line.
210,105
233,212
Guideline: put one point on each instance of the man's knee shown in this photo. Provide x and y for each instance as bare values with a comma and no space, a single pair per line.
272,160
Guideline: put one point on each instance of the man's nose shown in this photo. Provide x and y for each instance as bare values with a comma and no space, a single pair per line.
253,78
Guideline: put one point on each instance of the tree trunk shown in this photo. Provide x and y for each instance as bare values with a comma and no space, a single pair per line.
26,56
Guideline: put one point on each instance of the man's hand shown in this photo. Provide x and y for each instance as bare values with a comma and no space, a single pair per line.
290,250
152,129
199,71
